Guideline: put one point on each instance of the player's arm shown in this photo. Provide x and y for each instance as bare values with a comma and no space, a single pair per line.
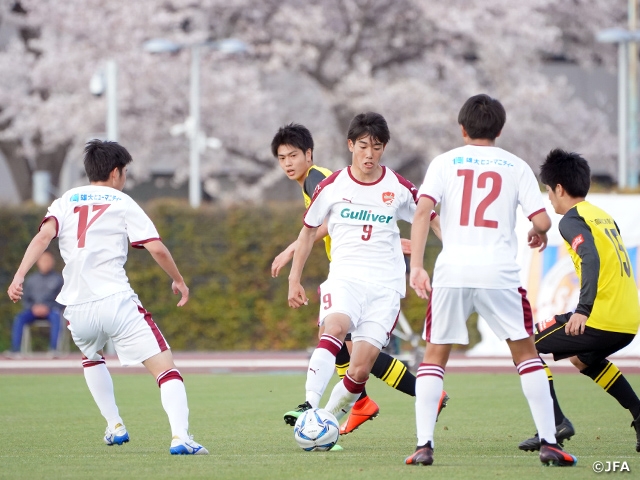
37,246
162,256
419,278
540,225
297,296
577,233
435,227
287,254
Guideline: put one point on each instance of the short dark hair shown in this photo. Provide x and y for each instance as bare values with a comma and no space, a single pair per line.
101,157
369,124
568,169
294,134
482,117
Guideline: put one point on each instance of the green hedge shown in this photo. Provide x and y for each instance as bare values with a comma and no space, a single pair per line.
225,256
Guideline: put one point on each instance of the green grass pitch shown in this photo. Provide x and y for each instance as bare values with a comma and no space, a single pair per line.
52,429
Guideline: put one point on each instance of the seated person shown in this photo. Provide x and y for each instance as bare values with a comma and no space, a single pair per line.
40,291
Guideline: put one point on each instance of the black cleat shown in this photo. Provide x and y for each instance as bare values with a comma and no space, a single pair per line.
564,432
636,424
291,416
553,455
423,455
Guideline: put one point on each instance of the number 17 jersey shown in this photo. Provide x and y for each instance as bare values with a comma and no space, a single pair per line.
93,224
480,188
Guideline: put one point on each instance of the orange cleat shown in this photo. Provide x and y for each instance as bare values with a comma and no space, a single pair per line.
444,398
363,410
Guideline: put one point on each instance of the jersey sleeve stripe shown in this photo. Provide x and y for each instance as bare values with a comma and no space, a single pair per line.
140,243
535,213
429,197
57,224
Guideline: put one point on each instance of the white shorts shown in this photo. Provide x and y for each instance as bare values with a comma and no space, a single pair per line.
507,312
373,309
121,318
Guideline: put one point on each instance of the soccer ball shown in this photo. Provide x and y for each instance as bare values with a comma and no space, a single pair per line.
316,430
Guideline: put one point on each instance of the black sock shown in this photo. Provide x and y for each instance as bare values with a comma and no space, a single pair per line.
394,373
607,375
557,411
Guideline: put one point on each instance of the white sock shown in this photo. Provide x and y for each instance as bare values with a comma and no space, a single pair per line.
321,367
174,401
342,400
429,383
101,387
535,386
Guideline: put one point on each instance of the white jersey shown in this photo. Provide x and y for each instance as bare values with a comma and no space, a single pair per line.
480,189
362,221
93,223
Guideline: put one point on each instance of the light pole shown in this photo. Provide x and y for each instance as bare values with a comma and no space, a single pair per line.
105,81
161,45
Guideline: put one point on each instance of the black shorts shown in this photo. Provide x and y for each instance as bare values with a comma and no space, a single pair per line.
591,347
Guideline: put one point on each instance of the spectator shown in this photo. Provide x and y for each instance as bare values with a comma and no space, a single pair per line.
40,291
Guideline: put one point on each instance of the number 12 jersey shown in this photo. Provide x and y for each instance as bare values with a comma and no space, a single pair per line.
480,188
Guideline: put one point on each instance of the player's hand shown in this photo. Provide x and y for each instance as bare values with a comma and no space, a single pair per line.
537,240
405,243
297,297
15,289
576,324
181,287
282,259
420,282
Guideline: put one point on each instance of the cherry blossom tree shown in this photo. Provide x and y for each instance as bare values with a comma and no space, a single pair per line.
316,63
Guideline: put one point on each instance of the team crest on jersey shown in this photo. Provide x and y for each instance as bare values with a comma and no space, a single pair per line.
388,198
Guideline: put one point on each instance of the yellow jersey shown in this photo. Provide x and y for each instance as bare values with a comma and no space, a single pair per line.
608,291
315,175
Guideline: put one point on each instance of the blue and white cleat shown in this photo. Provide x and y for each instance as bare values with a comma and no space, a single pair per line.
186,447
117,436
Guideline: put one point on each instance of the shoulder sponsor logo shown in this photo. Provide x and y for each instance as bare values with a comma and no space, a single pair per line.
576,242
388,198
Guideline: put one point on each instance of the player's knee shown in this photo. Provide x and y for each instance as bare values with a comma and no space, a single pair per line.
575,361
359,373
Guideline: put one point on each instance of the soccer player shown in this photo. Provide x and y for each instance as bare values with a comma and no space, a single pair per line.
608,315
480,187
362,204
293,146
92,223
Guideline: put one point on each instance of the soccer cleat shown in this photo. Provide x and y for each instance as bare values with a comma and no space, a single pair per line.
363,410
117,436
553,455
291,416
423,455
564,431
636,424
444,398
186,447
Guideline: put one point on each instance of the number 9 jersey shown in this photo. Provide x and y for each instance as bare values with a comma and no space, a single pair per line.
480,188
93,223
362,222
